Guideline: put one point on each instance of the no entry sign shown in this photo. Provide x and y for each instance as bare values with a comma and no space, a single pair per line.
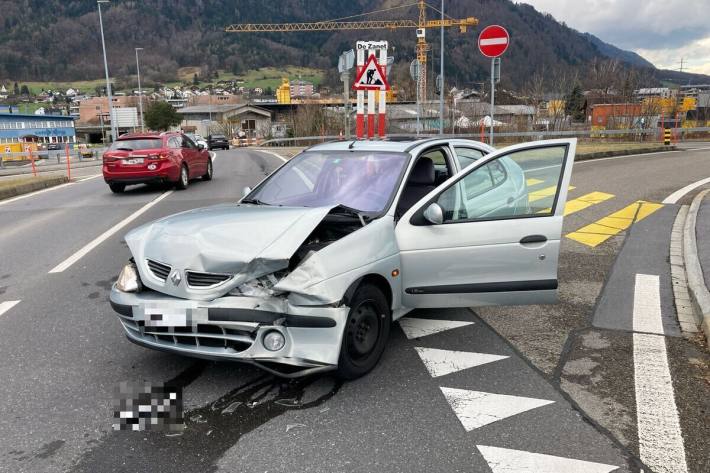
493,41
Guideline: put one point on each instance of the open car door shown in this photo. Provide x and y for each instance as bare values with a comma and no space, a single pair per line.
489,235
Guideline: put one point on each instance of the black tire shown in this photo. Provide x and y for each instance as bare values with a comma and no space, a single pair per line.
365,334
117,188
210,171
184,178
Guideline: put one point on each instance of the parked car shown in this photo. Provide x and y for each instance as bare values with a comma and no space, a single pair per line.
351,236
155,158
84,151
217,141
197,139
54,146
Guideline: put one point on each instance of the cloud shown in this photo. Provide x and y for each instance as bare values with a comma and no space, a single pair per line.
662,31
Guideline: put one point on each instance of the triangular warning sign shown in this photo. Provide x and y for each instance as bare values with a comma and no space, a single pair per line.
372,76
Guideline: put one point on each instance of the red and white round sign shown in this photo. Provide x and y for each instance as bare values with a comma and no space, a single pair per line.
493,41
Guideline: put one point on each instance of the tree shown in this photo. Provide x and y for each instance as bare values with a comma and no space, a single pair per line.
161,116
16,90
195,80
24,90
574,104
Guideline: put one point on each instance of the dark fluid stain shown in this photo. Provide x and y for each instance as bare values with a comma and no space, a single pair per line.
84,284
210,430
3,289
93,295
49,449
107,283
5,276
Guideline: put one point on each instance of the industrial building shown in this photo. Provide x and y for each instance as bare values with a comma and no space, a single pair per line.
21,128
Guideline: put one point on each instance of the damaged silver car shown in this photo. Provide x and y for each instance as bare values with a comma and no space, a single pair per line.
307,272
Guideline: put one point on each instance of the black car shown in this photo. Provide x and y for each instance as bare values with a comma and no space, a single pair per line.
217,141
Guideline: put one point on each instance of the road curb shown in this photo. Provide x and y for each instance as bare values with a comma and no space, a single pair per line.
699,293
623,152
32,186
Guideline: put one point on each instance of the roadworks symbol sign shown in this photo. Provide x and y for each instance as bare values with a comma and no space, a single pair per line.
372,76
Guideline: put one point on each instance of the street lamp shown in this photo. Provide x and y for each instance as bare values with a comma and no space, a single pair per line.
114,133
441,74
140,93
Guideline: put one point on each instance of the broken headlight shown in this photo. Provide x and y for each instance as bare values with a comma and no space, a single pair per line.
259,287
128,280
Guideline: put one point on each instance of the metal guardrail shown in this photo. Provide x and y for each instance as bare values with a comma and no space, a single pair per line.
646,132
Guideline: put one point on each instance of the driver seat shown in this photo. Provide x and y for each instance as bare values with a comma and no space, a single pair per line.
421,181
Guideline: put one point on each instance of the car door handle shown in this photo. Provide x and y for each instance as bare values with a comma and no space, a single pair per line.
533,239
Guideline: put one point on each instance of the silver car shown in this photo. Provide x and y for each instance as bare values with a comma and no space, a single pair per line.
307,272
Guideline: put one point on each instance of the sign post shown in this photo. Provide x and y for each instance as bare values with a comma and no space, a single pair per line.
493,42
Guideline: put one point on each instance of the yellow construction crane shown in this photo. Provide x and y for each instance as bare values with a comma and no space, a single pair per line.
335,25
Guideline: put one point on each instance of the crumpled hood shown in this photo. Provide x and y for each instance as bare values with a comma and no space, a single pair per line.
246,240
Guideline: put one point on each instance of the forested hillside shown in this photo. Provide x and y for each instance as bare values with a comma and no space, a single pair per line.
59,39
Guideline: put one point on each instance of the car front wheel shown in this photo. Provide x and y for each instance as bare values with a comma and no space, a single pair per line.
184,178
366,331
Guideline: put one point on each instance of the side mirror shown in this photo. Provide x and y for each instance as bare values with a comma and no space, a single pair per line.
246,191
434,214
201,147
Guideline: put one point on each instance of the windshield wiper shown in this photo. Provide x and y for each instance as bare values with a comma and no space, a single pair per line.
253,201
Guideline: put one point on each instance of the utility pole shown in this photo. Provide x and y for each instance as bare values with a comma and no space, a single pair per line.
114,131
441,74
140,92
493,95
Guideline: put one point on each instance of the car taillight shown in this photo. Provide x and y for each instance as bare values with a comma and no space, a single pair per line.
109,159
159,156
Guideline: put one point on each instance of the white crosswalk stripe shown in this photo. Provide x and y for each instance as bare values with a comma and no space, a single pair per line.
504,460
443,362
476,408
7,305
415,328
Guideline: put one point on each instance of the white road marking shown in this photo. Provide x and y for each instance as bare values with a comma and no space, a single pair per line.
680,193
7,305
476,408
660,438
105,235
31,194
213,155
647,304
504,460
94,176
442,362
272,154
635,155
415,328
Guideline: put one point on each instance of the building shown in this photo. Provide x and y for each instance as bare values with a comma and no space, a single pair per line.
95,111
618,115
227,119
300,88
22,128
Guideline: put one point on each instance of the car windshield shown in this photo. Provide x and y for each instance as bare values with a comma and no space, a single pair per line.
364,181
138,143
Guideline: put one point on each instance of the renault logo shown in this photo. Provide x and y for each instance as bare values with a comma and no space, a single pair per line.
175,277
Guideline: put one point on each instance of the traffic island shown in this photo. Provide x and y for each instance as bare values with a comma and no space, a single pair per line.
602,150
24,185
696,253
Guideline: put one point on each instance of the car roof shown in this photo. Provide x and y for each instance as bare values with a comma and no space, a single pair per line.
147,135
398,144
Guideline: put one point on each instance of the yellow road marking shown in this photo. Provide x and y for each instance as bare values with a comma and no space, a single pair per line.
587,200
600,231
533,182
543,193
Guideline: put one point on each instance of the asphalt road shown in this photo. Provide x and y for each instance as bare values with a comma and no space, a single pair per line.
503,386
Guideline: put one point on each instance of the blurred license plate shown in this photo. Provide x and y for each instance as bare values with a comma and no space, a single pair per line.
133,161
165,316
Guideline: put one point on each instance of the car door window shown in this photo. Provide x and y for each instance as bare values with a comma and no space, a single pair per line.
467,156
442,167
173,143
522,183
188,143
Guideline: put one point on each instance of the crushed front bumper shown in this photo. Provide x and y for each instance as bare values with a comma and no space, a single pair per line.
233,328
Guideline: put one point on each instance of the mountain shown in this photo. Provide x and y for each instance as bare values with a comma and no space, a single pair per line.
60,40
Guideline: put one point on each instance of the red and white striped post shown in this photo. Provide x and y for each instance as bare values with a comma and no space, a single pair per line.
371,104
383,98
360,117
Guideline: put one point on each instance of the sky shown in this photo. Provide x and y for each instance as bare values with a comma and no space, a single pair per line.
662,31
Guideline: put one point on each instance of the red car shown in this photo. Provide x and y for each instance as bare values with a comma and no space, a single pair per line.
144,158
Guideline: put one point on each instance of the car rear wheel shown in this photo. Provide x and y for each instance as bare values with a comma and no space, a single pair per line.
184,178
208,175
117,188
366,331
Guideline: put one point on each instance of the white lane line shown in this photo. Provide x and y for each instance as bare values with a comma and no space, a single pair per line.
7,305
31,194
415,328
647,305
476,408
108,233
443,362
504,460
272,154
677,195
213,155
94,176
660,438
